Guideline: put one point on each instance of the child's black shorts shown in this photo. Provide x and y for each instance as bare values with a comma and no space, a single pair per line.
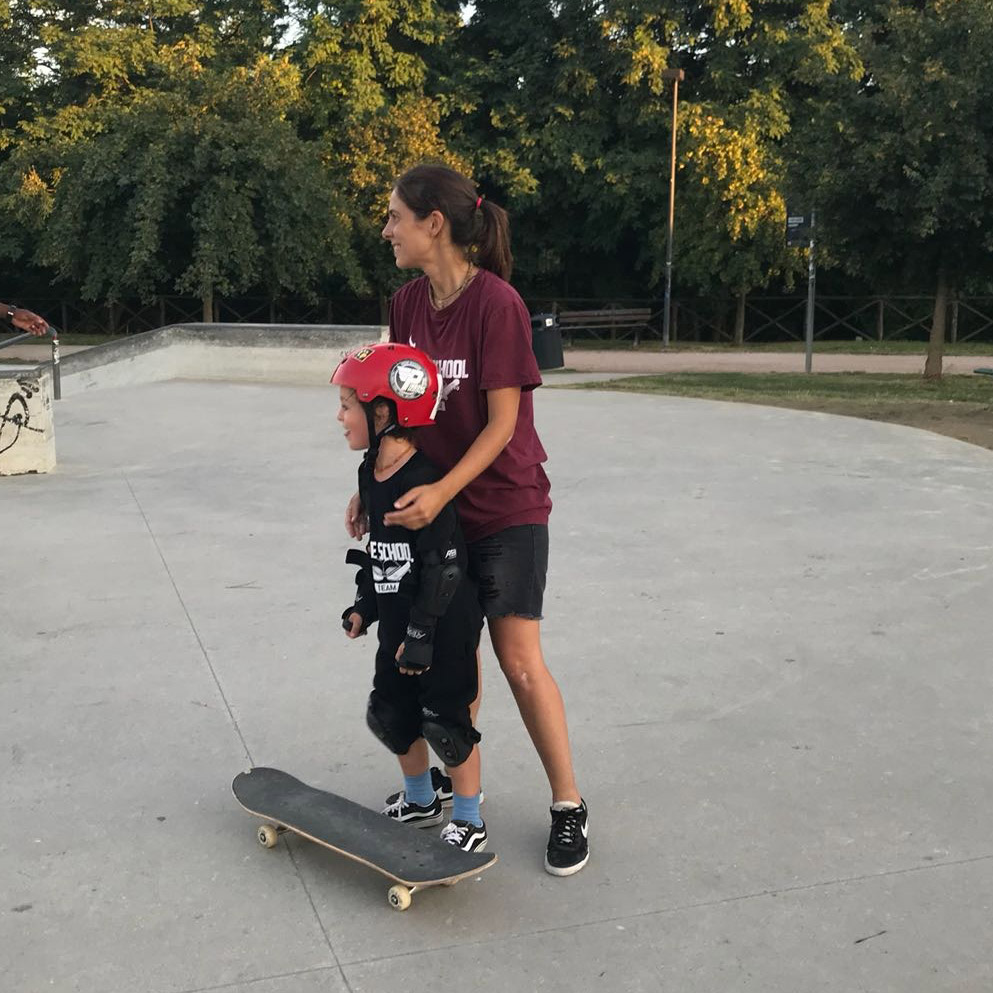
450,685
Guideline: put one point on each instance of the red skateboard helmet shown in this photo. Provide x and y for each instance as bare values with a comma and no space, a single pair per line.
396,372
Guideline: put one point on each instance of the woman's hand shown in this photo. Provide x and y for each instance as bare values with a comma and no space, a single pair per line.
418,507
356,520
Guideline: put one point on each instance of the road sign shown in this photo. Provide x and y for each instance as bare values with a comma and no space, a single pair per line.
799,227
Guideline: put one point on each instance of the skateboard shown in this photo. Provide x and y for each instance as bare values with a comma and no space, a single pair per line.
403,853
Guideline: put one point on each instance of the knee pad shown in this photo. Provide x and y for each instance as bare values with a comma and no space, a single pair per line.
452,743
390,725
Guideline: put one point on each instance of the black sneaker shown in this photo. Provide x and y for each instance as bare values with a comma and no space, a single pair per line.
568,848
414,813
442,786
465,835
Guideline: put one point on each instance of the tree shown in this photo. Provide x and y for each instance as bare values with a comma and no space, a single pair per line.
171,165
904,174
375,107
572,115
18,36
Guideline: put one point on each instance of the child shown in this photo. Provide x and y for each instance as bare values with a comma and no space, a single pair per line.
413,582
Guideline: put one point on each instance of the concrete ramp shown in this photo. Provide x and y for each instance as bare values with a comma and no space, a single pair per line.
27,431
292,354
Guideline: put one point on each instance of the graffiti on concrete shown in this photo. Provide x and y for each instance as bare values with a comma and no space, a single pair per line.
16,417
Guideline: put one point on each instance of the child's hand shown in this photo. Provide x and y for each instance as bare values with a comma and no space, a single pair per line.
404,669
356,520
355,630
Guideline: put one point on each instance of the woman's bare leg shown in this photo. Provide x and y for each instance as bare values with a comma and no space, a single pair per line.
474,706
517,643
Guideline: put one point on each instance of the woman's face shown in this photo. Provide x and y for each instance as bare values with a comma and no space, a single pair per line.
412,238
352,418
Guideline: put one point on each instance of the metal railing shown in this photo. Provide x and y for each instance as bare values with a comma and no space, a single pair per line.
766,318
53,333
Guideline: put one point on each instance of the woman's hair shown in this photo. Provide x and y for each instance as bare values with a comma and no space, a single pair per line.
477,225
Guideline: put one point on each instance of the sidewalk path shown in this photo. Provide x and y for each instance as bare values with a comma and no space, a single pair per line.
635,362
644,362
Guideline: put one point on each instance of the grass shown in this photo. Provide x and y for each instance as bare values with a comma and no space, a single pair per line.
853,386
958,406
850,347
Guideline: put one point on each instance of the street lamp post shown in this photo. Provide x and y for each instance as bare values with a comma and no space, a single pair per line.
675,75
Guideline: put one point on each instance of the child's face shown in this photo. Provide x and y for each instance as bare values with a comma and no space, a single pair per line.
352,418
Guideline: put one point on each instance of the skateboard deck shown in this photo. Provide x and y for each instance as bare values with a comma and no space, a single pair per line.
414,858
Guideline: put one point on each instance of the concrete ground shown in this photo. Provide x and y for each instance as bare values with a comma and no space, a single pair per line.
769,626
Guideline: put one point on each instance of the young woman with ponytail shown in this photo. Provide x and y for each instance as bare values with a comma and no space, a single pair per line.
471,321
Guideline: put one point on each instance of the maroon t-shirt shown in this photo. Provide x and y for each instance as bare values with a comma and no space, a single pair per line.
480,342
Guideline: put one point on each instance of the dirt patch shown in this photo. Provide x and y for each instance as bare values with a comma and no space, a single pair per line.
964,420
969,422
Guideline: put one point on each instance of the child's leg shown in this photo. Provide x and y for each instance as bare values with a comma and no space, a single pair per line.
417,787
449,732
465,784
415,762
394,715
465,777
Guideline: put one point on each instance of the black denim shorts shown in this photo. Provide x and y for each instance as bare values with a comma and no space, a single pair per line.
509,568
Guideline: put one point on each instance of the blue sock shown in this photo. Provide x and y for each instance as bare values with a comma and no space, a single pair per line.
466,808
419,789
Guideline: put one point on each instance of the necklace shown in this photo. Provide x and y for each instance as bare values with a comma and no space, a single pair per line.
380,469
439,302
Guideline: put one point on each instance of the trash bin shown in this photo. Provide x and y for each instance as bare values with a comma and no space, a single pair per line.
546,340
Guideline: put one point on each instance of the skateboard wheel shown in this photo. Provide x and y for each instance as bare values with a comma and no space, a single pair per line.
399,897
268,836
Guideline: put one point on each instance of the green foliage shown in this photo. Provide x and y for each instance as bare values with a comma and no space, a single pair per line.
572,118
375,107
174,167
18,36
905,168
149,146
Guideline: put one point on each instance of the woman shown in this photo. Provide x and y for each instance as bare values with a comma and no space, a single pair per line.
468,318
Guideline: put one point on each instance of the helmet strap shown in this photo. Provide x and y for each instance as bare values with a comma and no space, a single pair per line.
375,437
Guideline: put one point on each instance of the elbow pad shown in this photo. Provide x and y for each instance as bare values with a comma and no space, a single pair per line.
440,578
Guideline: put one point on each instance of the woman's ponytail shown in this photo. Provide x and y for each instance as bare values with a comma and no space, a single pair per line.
492,246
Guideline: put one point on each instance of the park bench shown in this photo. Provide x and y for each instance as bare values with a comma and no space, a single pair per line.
617,320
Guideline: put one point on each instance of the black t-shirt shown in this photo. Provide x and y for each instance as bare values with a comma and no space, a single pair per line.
396,555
